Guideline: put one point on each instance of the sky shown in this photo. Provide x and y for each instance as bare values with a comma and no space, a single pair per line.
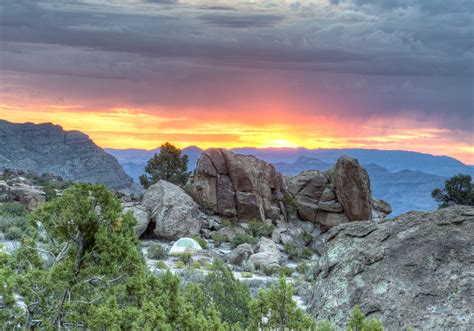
387,74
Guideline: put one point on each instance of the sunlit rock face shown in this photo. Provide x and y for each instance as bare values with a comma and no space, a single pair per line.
47,148
415,271
237,186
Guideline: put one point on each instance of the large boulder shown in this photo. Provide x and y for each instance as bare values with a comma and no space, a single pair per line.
336,196
414,271
240,254
237,186
174,213
142,216
352,185
268,255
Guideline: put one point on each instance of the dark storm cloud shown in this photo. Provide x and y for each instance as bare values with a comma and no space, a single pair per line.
384,56
242,20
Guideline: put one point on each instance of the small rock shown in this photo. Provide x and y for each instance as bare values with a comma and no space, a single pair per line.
230,232
240,254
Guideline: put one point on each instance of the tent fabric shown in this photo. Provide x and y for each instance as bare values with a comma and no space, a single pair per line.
184,245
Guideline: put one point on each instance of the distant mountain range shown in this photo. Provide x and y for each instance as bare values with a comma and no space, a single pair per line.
405,179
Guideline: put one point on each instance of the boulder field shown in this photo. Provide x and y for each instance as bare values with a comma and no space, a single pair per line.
243,188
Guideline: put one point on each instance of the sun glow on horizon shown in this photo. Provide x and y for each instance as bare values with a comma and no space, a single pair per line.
129,128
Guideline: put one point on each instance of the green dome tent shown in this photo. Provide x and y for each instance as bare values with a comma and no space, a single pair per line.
183,245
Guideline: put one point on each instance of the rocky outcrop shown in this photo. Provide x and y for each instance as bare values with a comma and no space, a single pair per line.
336,196
16,187
173,213
237,186
414,271
47,148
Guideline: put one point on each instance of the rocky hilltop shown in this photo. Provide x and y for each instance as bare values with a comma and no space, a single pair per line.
413,271
47,148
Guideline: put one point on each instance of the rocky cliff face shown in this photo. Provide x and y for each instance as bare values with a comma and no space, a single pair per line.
414,271
47,148
237,186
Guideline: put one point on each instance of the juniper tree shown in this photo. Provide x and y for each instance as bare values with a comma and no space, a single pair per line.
168,165
458,190
83,269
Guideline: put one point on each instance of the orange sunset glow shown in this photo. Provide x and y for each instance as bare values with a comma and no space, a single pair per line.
123,128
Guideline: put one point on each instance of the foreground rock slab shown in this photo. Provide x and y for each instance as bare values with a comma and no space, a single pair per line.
414,271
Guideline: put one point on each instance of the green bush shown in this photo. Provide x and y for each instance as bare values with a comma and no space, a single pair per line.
180,265
13,233
246,274
243,239
14,221
275,309
232,297
295,252
291,250
157,252
306,238
290,203
302,268
358,322
269,271
12,209
306,253
202,242
218,239
196,265
185,257
227,223
161,265
259,229
285,271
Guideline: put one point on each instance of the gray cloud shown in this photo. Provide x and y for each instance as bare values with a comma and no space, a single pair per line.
242,20
384,56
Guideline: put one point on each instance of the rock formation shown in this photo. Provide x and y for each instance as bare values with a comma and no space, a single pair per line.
414,271
336,196
237,186
142,216
173,213
268,255
16,187
352,188
47,148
